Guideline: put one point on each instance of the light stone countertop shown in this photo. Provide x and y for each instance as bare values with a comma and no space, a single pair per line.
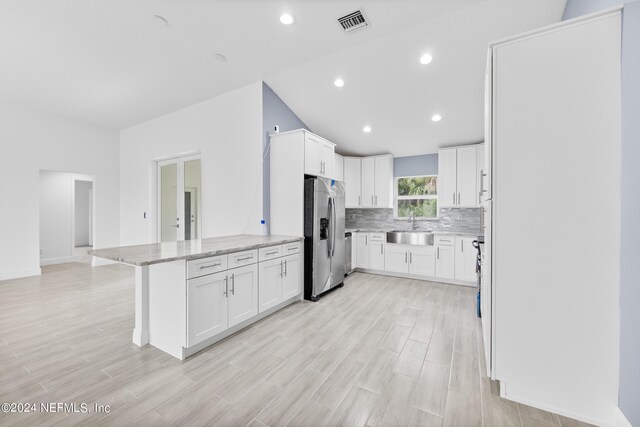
441,232
155,253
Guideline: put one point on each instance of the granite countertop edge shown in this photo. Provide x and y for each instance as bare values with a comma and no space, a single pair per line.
190,257
450,233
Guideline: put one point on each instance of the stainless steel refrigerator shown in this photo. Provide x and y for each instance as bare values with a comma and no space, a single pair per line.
324,249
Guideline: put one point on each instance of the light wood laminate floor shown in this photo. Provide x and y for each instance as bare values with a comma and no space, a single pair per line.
379,352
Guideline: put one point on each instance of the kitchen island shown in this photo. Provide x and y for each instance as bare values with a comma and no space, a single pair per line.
191,294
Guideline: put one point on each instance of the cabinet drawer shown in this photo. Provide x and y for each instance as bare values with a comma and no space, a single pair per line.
238,259
270,252
444,240
204,266
291,248
378,237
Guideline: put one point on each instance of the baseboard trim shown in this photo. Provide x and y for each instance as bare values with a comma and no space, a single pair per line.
18,274
61,260
417,277
98,262
620,420
590,420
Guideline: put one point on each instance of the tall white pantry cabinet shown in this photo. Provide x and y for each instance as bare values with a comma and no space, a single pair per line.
551,269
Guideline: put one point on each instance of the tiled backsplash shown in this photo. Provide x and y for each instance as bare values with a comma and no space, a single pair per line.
460,220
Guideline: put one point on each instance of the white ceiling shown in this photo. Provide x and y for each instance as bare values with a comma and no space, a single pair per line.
388,89
108,62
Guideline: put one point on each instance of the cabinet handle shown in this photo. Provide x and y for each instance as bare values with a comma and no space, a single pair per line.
244,259
359,201
371,200
376,197
380,249
285,268
410,257
226,286
280,268
293,248
405,257
271,253
454,198
202,267
438,253
461,245
366,239
233,284
458,198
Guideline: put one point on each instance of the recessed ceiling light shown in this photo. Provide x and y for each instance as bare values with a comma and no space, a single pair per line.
160,20
425,59
339,82
219,57
286,19
366,129
436,117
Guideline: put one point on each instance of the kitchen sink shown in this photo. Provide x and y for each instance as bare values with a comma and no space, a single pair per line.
405,237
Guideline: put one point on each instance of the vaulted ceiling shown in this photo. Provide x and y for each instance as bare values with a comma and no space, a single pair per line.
112,63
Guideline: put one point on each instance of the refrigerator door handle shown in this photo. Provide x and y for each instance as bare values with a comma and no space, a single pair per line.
333,225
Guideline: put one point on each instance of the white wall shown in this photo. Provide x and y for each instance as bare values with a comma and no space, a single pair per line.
227,131
81,218
31,141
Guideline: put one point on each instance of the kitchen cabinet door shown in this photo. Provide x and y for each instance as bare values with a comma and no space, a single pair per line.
368,182
206,307
447,176
422,260
338,167
466,177
465,259
382,181
362,252
243,293
376,255
326,153
311,155
269,284
292,276
396,258
445,262
352,180
480,175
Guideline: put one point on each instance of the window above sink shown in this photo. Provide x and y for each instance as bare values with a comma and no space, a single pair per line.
417,195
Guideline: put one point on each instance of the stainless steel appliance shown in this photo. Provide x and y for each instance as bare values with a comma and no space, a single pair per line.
347,252
324,244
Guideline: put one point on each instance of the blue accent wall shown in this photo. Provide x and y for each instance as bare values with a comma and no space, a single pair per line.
426,164
274,112
629,391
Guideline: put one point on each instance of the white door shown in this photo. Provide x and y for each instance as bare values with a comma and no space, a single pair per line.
383,179
326,153
422,260
445,262
311,155
243,293
465,259
447,196
352,181
269,284
368,182
292,276
376,255
362,252
466,177
396,258
206,307
179,199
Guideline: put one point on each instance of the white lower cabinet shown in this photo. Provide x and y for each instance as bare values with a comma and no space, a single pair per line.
418,260
243,294
362,250
292,276
270,277
206,307
445,262
465,259
376,250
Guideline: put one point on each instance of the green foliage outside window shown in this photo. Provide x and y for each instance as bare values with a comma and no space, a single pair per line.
417,196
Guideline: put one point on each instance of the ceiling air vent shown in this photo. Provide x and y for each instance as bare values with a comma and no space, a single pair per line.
353,21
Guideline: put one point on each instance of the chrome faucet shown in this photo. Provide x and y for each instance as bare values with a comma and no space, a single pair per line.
412,220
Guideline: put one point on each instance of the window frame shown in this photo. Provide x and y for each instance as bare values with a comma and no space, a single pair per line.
396,197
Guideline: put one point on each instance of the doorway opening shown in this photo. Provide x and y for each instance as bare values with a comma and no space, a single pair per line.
179,198
66,217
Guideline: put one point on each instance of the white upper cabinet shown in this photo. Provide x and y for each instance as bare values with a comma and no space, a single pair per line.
458,177
374,180
352,181
368,182
318,155
338,167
